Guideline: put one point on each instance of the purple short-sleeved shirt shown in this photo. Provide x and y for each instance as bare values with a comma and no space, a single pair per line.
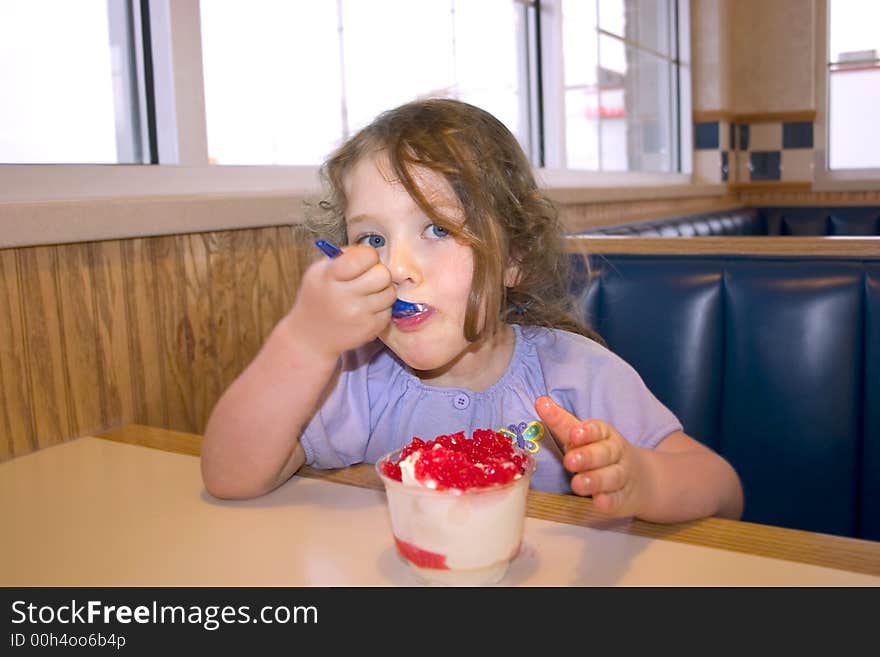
378,406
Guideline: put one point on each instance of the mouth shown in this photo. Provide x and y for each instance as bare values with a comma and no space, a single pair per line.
413,319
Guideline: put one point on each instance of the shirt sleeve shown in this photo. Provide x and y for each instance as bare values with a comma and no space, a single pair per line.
593,382
338,432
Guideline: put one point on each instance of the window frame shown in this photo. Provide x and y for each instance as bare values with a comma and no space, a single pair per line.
825,178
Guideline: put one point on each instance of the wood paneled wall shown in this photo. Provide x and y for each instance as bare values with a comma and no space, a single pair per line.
148,330
579,217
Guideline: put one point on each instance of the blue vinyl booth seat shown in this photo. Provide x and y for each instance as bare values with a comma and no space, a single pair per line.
811,221
773,362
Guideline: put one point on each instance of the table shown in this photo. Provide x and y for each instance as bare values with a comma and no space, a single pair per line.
128,508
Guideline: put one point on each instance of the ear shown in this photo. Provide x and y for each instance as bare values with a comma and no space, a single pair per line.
511,275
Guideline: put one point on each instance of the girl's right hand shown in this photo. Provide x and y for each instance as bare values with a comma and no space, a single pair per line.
342,302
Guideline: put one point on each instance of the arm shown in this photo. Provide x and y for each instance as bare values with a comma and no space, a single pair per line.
683,480
679,480
251,442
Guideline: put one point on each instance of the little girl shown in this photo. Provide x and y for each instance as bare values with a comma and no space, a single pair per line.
438,206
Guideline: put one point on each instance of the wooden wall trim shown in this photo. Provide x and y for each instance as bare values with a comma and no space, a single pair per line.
771,185
705,116
866,247
777,117
781,197
700,116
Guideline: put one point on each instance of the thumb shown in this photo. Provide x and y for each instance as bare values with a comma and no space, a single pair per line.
558,420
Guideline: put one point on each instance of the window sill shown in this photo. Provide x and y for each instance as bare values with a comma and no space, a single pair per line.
839,181
39,183
52,204
45,182
572,187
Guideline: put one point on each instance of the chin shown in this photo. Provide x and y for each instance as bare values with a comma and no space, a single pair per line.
421,358
426,351
422,362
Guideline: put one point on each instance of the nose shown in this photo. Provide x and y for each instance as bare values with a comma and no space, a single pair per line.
403,264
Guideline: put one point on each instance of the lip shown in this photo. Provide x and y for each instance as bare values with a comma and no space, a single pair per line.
412,322
403,308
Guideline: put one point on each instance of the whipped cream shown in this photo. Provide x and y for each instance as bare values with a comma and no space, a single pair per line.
408,472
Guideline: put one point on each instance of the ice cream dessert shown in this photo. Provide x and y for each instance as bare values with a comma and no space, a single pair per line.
457,505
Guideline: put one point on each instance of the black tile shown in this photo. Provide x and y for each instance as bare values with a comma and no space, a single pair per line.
743,136
706,135
797,134
764,165
725,166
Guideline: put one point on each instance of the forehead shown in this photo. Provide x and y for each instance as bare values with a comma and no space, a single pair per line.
372,180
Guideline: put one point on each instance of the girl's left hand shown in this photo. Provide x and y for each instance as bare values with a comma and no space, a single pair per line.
604,463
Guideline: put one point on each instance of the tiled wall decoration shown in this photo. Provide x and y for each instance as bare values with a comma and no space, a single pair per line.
713,147
756,151
778,150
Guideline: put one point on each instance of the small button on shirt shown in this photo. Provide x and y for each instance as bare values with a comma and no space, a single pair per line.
461,401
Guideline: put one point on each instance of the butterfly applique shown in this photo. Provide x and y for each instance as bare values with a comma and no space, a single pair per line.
524,435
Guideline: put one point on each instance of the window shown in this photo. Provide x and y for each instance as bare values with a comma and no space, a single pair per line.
286,81
853,84
584,84
68,73
620,85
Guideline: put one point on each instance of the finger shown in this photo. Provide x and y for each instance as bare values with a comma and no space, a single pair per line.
602,480
591,456
610,503
354,262
558,420
380,302
376,279
593,431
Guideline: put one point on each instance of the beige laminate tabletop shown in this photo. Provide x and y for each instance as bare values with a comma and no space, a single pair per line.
129,509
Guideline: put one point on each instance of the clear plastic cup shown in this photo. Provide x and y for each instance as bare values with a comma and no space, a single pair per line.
458,537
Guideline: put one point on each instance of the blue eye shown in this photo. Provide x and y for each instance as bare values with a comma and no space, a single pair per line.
376,241
436,232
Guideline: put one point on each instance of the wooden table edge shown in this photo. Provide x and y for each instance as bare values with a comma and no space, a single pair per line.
728,245
826,550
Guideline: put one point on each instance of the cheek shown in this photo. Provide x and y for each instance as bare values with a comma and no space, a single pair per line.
457,283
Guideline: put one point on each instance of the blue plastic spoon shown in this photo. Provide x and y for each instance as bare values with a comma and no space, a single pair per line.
400,308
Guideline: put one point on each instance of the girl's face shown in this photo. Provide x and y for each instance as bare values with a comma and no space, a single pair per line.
427,266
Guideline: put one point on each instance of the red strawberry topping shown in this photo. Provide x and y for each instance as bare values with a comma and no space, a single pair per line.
453,461
419,557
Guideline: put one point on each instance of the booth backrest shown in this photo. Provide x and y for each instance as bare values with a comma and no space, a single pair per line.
795,221
808,221
772,361
741,221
